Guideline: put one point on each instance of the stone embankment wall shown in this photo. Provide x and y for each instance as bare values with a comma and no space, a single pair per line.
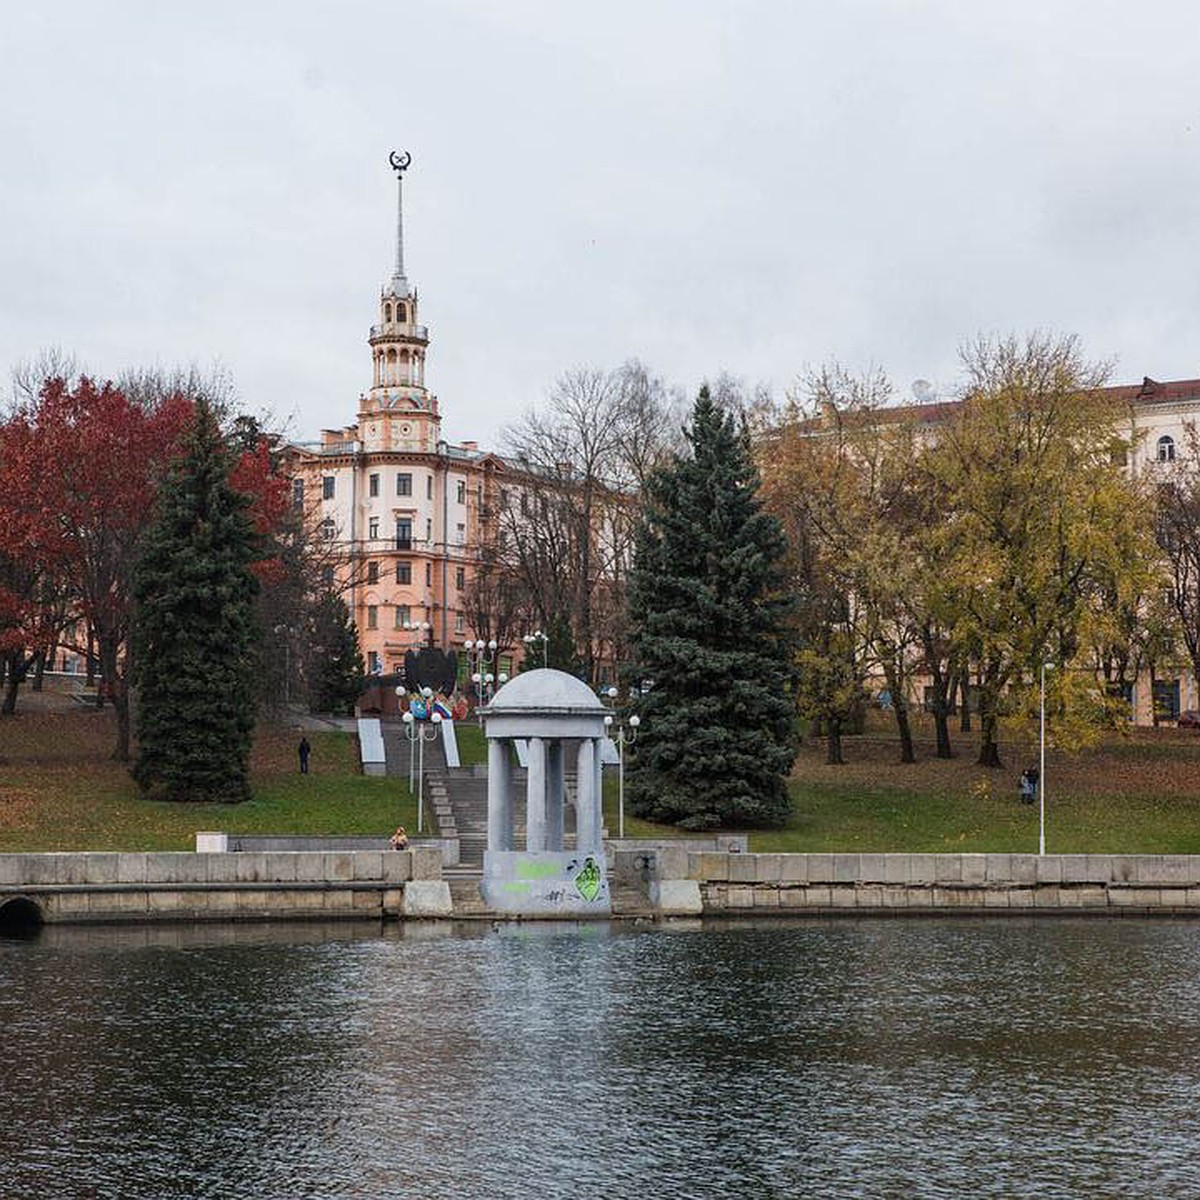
230,886
917,883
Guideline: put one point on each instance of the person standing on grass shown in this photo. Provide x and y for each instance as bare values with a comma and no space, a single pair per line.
304,750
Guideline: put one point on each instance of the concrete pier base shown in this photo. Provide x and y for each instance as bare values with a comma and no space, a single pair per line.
546,883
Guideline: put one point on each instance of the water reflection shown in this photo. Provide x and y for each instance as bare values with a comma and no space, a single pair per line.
889,1058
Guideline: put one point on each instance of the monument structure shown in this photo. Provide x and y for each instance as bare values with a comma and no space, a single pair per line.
561,720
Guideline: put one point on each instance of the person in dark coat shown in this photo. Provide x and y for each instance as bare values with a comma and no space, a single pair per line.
304,750
1029,785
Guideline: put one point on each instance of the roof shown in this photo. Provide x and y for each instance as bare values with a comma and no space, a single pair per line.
545,691
1149,391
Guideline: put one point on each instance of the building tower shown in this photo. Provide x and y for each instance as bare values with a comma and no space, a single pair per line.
397,413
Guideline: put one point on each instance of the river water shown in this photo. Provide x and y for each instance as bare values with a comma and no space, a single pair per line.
906,1058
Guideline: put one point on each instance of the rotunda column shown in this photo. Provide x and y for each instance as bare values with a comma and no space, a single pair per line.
556,795
500,815
535,796
586,824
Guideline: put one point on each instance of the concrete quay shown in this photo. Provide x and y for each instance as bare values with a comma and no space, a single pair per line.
123,887
649,881
1109,884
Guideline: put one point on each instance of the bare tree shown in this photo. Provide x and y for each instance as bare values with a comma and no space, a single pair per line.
567,531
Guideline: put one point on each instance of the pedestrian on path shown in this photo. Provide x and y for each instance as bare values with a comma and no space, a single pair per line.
304,750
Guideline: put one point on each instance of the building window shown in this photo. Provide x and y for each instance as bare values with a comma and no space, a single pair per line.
327,486
428,487
524,504
460,533
373,527
403,533
328,529
372,616
460,625
297,493
373,663
460,578
327,577
372,572
373,485
429,574
401,312
504,497
462,492
404,572
404,484
403,615
429,529
1166,449
387,312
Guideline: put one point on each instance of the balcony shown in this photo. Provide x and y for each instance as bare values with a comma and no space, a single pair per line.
406,333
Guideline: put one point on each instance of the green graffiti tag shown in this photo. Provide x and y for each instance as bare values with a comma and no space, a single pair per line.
528,869
587,882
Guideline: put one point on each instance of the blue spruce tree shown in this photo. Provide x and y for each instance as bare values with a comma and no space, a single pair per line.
194,636
712,639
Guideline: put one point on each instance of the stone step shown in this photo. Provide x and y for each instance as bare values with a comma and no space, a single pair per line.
465,897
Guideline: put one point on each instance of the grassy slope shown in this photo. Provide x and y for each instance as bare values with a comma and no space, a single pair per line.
60,791
1138,792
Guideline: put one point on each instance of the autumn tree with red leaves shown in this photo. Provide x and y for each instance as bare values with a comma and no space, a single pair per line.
78,482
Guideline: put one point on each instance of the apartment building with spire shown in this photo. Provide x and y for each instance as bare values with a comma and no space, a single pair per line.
402,510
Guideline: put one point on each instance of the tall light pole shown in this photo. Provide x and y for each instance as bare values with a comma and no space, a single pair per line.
1042,765
418,733
625,736
480,656
538,636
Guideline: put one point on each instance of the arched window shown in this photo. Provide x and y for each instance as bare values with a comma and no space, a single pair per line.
1166,449
401,313
387,312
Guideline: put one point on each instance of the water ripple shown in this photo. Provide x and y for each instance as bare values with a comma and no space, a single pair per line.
892,1058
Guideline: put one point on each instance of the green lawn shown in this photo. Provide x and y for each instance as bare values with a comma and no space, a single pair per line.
60,791
1137,793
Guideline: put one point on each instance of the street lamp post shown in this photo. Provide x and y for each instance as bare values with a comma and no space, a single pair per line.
480,656
625,736
1042,764
538,636
418,733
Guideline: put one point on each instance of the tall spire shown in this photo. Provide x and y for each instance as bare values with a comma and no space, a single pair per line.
400,163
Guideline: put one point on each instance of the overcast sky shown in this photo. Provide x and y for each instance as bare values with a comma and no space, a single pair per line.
750,187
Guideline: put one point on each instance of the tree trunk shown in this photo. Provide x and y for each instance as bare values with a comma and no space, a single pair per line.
12,684
964,700
989,750
941,731
39,670
895,684
91,656
114,687
833,742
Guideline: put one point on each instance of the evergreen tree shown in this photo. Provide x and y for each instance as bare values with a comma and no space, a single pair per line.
335,667
712,639
194,633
